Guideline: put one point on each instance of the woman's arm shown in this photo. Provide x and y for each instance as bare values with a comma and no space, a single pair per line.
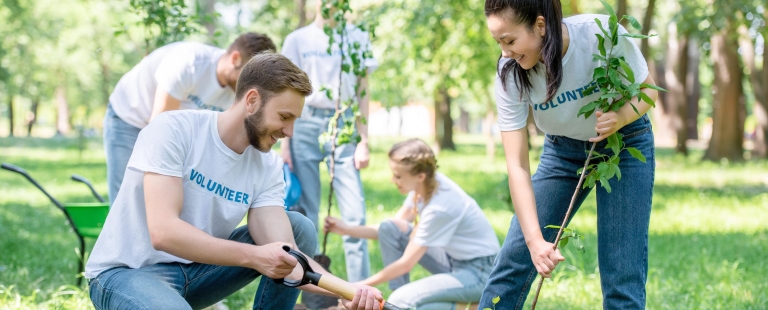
406,213
519,169
413,253
608,123
337,226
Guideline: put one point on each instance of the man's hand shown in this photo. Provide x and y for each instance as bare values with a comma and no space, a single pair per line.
366,298
274,262
362,155
285,152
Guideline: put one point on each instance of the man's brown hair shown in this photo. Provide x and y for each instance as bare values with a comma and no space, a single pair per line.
251,43
271,73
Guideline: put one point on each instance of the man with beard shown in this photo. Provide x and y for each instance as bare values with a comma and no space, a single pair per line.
180,75
171,239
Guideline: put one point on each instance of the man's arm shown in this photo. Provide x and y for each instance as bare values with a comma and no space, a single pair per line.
163,102
163,196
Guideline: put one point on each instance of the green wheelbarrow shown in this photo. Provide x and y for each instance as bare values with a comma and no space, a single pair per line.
86,219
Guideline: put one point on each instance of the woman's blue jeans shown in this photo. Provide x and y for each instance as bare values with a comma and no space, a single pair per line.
622,221
195,285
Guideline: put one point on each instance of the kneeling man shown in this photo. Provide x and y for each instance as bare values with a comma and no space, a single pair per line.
171,239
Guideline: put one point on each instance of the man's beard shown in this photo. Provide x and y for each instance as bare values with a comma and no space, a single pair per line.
254,128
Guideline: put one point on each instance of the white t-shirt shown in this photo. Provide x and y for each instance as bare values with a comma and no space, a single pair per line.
308,49
185,70
558,116
219,187
454,222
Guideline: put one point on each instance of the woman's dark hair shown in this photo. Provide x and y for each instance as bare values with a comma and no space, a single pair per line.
525,12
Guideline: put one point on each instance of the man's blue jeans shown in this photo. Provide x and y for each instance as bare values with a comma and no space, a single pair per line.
307,154
196,286
119,139
622,221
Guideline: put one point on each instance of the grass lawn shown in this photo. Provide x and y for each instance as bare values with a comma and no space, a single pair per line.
708,236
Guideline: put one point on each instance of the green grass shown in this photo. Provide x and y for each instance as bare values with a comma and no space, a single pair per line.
708,237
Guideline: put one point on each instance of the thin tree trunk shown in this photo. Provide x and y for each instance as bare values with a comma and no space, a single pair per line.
10,115
209,10
621,10
674,75
647,19
33,111
575,7
62,111
758,86
443,121
760,109
727,104
300,10
664,133
693,85
463,121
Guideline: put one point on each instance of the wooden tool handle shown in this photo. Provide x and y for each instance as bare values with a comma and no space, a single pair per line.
338,286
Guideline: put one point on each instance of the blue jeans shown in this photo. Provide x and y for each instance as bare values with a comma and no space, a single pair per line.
196,286
452,281
306,155
622,221
119,139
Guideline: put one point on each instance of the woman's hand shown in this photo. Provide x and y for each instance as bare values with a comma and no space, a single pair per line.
366,298
544,257
335,225
607,124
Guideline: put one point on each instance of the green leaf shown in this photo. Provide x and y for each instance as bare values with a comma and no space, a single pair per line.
635,108
600,24
646,98
604,183
563,242
636,154
614,142
601,44
496,299
596,57
634,35
613,27
588,109
614,76
632,21
552,226
651,86
608,8
618,171
598,72
627,70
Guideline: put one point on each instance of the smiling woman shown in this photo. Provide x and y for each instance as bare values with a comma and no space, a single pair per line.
548,59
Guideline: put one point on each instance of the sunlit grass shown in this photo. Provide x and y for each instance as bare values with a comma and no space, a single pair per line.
708,234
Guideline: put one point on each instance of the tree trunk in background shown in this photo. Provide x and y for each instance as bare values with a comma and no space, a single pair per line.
757,80
662,123
33,115
62,111
693,85
443,121
575,7
674,75
647,28
300,10
727,102
210,18
621,10
10,115
760,109
463,121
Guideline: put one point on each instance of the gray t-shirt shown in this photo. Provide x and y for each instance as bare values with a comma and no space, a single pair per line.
558,116
219,187
453,221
